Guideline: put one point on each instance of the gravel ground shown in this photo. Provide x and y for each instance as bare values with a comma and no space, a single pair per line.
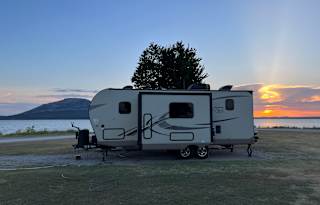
119,157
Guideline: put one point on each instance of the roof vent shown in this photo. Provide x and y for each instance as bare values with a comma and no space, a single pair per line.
226,88
128,87
199,86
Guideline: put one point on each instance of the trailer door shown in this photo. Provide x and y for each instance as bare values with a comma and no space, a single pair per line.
174,120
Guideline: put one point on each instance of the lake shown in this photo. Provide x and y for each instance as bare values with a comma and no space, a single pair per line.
11,126
299,123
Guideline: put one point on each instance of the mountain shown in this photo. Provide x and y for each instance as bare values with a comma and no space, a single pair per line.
70,108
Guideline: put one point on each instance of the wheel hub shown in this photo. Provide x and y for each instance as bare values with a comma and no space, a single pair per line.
202,151
185,152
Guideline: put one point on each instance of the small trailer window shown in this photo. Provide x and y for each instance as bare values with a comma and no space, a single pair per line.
229,104
181,110
124,107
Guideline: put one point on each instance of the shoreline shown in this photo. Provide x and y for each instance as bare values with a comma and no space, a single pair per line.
71,132
68,135
288,129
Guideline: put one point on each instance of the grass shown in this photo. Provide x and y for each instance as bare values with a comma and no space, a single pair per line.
290,176
34,133
186,183
290,145
38,147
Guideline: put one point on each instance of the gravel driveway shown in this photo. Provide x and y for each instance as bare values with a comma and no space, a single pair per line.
120,157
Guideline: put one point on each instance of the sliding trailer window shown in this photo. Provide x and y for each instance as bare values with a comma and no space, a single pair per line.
124,107
181,110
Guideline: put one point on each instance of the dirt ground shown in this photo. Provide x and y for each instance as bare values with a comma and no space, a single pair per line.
120,157
60,152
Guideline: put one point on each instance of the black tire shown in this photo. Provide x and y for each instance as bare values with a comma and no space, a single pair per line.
202,152
185,153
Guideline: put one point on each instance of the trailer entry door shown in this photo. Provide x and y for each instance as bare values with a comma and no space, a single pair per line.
173,120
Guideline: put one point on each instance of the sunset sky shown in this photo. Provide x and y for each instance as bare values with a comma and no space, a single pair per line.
55,49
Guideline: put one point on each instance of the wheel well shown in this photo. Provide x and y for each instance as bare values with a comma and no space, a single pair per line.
193,147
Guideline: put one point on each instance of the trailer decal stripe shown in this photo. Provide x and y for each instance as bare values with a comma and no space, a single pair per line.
133,132
232,96
166,125
218,121
160,133
225,119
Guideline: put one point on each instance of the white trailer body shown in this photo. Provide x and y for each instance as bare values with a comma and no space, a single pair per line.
172,120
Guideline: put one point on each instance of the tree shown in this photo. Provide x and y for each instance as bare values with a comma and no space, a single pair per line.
173,67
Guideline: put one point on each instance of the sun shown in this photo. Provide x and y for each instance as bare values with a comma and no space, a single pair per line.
269,95
267,111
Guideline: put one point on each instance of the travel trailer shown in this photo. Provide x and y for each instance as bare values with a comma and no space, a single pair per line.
188,121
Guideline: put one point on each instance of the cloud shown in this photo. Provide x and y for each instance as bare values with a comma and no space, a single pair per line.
62,93
254,87
62,96
13,101
285,100
15,108
314,98
68,90
274,100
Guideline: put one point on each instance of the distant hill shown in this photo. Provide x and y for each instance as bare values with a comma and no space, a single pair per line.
70,108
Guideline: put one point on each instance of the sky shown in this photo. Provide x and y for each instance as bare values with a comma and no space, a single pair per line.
55,49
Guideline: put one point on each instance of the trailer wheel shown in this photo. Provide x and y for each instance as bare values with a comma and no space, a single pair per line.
202,152
185,153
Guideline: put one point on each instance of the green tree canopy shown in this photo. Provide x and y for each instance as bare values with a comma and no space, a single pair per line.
173,67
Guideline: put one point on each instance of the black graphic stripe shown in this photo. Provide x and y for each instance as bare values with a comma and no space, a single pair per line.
219,121
165,125
225,119
159,133
232,96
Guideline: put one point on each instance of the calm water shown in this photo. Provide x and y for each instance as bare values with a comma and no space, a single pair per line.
11,126
300,123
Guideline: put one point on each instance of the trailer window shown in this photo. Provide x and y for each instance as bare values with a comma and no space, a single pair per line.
124,107
229,104
181,110
218,129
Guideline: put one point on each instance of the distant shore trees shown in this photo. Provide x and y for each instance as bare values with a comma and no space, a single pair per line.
172,67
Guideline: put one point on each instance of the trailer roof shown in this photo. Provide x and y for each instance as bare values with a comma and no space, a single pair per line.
181,90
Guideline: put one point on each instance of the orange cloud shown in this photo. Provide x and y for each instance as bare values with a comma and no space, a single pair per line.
269,95
315,98
275,106
278,100
287,113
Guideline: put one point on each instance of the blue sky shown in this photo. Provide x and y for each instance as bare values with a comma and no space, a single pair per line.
50,45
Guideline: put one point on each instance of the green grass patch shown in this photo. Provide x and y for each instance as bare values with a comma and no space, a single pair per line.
163,183
38,147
